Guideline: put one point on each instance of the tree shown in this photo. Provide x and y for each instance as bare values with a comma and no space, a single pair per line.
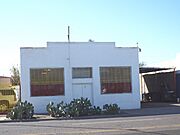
90,40
142,64
15,76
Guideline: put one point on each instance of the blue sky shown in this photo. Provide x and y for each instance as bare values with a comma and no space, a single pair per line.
154,24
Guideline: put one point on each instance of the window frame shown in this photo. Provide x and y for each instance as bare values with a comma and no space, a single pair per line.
91,72
47,68
130,79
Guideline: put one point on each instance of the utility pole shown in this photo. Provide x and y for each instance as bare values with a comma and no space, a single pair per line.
68,34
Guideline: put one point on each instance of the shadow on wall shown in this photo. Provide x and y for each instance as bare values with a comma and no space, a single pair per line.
161,87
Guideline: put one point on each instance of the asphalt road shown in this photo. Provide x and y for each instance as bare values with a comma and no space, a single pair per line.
142,125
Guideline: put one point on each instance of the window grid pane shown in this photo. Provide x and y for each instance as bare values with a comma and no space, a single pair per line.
82,72
47,81
115,79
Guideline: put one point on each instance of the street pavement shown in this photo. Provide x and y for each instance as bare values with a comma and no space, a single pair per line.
146,121
145,125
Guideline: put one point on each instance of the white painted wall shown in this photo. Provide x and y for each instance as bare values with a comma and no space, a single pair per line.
80,54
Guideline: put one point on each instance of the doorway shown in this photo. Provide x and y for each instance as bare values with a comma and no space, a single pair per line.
82,90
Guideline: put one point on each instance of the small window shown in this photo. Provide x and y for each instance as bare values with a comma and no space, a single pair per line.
7,92
82,72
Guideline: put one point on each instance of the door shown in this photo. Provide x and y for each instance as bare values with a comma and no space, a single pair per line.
82,90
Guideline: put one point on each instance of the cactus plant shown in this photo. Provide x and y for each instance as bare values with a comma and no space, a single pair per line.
111,109
22,110
60,110
79,107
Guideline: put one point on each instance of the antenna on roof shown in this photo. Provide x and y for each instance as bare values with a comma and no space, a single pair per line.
138,47
68,34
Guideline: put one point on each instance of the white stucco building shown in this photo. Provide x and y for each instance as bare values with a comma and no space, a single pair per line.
99,71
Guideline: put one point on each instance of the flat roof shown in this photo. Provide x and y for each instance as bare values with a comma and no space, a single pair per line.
33,47
62,43
5,77
76,42
151,69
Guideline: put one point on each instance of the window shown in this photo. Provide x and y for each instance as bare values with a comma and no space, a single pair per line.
47,81
82,72
115,79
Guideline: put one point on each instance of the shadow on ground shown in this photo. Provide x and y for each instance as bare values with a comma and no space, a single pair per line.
154,108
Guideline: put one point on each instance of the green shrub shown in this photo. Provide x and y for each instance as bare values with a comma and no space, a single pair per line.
60,110
79,107
51,109
22,110
111,109
95,110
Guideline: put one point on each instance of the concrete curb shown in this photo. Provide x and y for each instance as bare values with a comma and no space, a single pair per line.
123,113
48,118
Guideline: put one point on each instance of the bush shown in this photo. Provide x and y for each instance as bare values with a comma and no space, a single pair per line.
79,107
111,109
51,109
22,110
59,111
95,110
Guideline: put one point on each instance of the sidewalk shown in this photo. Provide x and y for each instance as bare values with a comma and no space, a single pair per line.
153,111
2,117
146,110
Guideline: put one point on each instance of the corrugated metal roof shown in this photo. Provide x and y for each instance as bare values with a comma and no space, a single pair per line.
4,77
151,69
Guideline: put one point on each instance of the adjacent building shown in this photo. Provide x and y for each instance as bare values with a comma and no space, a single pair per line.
62,71
158,84
5,81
